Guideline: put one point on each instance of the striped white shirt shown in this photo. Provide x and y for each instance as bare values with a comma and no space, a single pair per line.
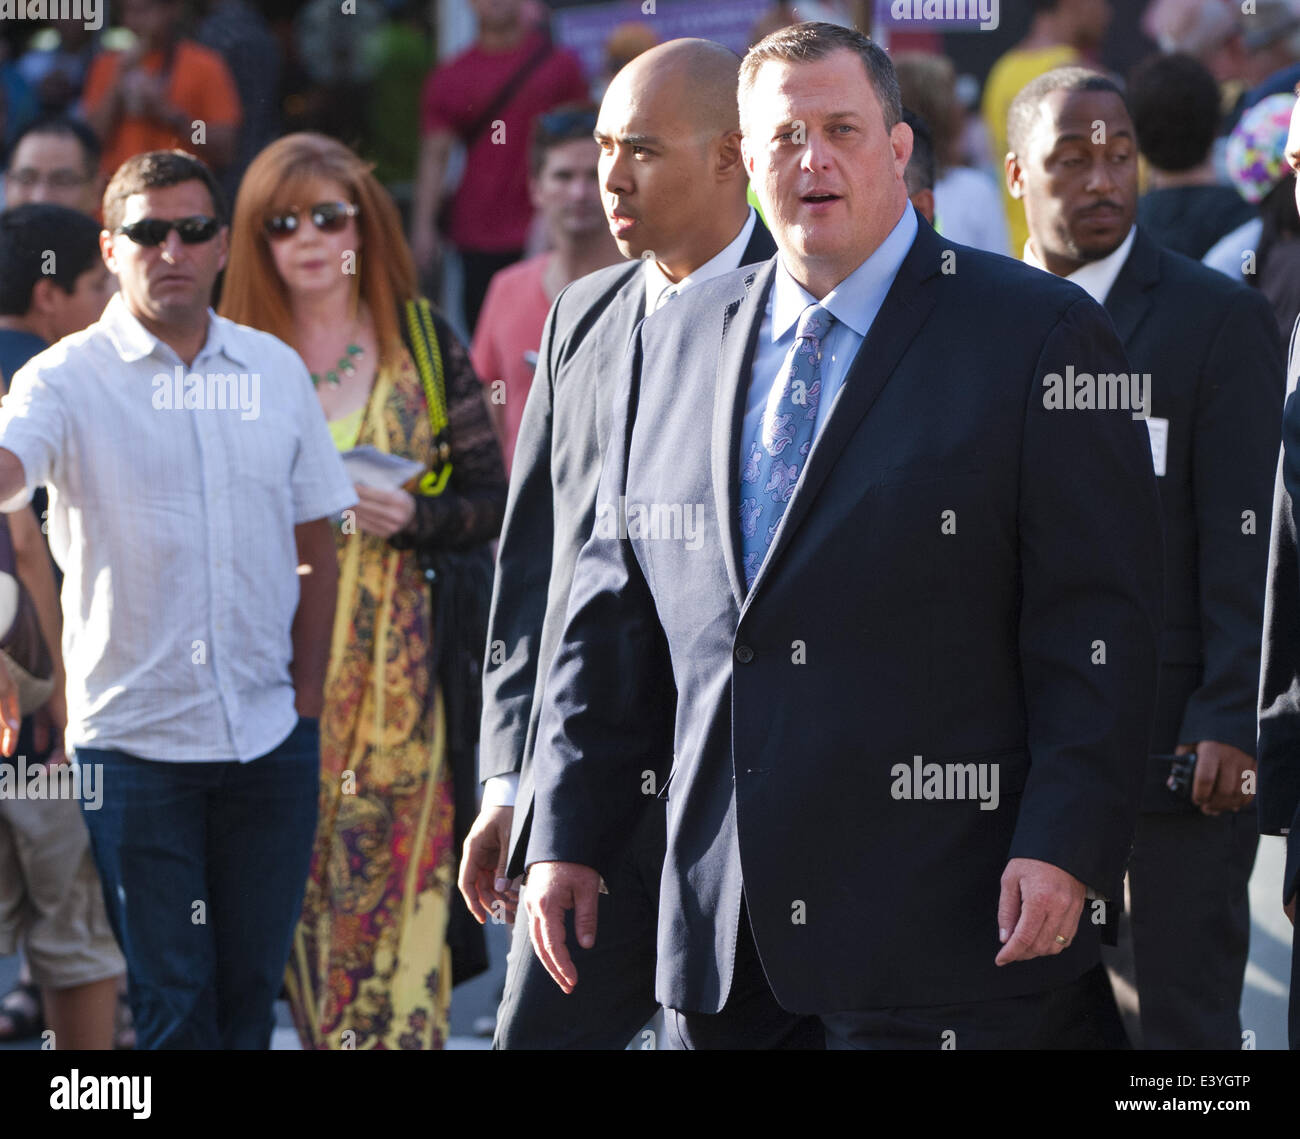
174,492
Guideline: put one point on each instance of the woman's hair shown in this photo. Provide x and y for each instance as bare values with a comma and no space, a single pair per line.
282,177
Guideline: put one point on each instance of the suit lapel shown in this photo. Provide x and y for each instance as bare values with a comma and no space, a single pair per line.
741,324
626,308
760,245
906,307
1129,298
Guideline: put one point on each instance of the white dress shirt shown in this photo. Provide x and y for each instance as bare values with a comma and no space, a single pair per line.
173,521
1096,278
502,790
658,286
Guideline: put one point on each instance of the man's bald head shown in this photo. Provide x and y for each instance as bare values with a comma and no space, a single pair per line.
690,81
672,175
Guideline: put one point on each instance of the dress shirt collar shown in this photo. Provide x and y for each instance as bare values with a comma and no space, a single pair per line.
856,299
1096,278
656,280
132,341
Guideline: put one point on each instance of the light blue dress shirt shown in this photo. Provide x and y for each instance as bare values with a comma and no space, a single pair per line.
854,303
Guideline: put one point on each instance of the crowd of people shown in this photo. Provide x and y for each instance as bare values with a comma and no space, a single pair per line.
820,566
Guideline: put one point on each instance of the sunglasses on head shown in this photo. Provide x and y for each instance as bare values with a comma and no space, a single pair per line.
579,121
328,217
154,231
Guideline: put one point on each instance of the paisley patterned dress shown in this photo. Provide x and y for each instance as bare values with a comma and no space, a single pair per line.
369,966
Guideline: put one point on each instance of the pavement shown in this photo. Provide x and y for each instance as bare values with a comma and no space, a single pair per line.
1263,1006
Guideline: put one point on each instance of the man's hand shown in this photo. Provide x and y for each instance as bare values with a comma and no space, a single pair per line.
1039,902
383,512
553,889
483,880
1217,785
10,717
49,722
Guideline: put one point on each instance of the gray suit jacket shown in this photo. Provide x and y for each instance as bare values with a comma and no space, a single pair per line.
551,508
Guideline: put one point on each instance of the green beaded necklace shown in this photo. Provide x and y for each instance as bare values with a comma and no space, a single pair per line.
346,365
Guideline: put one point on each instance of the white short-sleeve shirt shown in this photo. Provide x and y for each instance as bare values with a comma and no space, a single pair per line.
174,493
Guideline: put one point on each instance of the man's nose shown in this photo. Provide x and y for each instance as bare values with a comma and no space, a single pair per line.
614,176
1101,178
171,247
584,189
815,154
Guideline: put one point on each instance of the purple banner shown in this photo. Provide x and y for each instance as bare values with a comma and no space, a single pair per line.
938,15
585,30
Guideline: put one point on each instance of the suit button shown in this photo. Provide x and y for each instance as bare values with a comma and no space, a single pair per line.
744,654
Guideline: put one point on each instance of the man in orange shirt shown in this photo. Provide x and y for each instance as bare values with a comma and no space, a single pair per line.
164,92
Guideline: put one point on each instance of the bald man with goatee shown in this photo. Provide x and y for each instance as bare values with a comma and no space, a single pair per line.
673,184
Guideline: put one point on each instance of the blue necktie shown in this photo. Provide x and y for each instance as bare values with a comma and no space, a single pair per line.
777,457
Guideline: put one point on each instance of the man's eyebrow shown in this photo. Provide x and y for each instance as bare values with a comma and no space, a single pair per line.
1075,136
629,139
833,116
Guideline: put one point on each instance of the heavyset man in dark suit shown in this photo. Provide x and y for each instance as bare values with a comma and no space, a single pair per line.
1213,406
913,579
1279,688
674,190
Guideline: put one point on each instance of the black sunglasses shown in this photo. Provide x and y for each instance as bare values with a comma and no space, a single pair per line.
328,217
154,231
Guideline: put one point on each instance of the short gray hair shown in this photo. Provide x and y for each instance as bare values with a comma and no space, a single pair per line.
812,40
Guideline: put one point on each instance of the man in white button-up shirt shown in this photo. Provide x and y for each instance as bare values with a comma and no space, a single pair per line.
192,480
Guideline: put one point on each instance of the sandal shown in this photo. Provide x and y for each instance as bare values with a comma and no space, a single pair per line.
21,1007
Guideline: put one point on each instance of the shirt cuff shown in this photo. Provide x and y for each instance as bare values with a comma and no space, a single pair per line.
501,790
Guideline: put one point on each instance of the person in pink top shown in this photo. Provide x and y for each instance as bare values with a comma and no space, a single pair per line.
565,191
487,98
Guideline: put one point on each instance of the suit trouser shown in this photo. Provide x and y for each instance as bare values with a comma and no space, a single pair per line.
1081,1014
614,997
1189,922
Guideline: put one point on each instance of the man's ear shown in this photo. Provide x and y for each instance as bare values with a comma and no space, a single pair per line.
223,236
1015,175
106,251
43,299
902,140
747,157
731,158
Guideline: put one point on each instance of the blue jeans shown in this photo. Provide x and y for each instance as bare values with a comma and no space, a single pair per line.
204,866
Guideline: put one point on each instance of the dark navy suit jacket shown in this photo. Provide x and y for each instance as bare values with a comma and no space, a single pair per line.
962,574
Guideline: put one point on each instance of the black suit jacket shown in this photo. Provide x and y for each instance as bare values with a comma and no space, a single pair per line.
549,512
1217,373
955,565
1279,698
1279,686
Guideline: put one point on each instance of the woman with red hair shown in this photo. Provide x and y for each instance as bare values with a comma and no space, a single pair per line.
318,259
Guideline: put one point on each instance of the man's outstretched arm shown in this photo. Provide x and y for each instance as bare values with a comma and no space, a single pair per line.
13,479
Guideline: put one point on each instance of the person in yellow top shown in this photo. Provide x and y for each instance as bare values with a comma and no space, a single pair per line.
1061,32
